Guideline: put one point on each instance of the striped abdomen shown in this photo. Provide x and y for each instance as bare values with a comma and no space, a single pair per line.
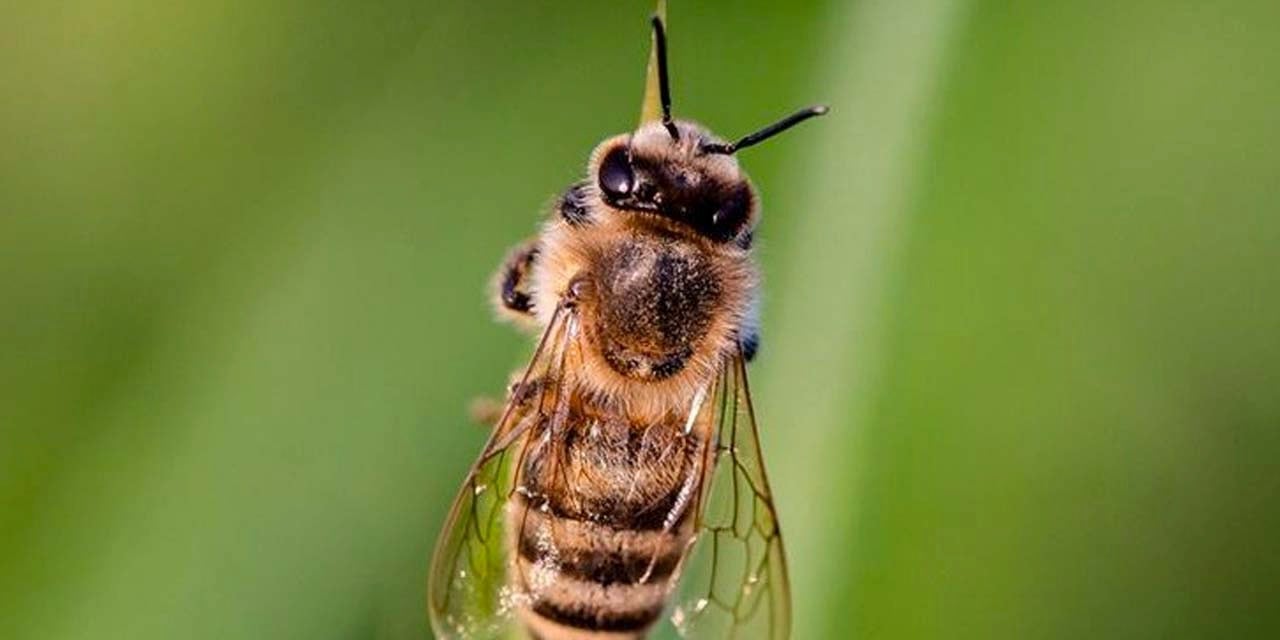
600,525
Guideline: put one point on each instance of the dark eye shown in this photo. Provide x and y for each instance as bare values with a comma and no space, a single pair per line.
616,178
732,211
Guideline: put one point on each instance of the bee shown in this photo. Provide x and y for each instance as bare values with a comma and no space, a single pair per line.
623,479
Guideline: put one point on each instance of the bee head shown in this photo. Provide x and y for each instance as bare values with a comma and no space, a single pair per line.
679,170
652,173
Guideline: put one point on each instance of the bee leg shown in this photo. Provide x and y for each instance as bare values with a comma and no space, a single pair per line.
511,284
573,206
485,411
750,344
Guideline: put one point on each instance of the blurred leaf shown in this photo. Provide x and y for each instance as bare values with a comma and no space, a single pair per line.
1020,344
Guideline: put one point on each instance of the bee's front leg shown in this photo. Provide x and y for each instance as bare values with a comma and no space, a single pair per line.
513,295
513,300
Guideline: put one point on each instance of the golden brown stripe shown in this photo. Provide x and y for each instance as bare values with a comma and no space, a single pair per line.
597,619
597,552
589,605
589,486
543,628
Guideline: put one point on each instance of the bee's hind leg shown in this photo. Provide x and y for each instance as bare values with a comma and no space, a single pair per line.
513,295
487,411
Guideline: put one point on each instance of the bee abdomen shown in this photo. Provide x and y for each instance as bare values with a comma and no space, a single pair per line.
618,608
593,577
599,524
598,552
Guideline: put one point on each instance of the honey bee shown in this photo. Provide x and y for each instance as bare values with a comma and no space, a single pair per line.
624,479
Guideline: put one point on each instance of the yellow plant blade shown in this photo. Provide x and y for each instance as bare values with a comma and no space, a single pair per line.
651,107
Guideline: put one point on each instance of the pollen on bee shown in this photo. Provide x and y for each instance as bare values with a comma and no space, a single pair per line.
546,569
510,599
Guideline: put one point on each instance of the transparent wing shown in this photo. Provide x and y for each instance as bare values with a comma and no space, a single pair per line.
466,590
734,580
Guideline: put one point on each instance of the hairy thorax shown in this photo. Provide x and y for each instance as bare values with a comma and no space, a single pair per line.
657,300
658,310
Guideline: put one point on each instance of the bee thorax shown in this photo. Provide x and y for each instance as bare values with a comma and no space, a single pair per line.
657,301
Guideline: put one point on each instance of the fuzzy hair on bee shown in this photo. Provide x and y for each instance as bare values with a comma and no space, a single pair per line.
599,477
666,291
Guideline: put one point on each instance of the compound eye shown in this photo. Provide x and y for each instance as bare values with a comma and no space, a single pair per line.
616,178
731,214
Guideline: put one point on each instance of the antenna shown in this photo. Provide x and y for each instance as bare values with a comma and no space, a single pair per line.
765,133
664,85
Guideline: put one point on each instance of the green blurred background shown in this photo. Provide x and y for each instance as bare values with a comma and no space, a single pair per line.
1021,364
